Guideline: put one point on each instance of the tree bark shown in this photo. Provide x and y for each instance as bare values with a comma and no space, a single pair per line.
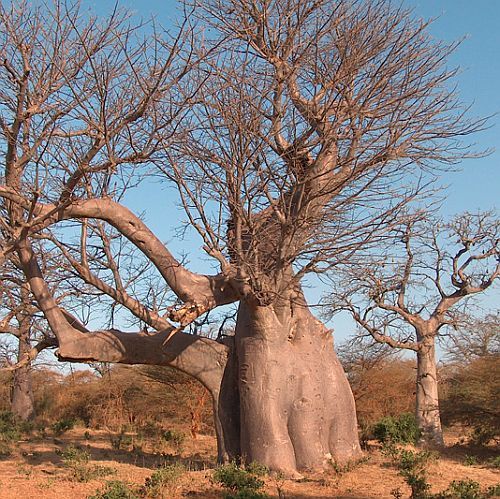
296,408
22,400
427,404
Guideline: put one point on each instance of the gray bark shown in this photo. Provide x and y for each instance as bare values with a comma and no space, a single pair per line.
296,407
22,400
427,404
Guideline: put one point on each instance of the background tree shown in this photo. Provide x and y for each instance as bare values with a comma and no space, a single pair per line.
474,337
406,299
26,335
472,391
383,383
294,132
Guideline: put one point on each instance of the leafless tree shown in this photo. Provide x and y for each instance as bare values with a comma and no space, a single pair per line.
25,331
406,299
294,131
474,338
472,382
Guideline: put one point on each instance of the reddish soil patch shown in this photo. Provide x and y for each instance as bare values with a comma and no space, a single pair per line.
35,470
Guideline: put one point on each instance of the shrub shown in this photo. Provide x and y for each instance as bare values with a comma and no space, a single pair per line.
397,430
163,480
150,430
257,469
471,398
62,426
84,473
115,489
12,428
493,490
242,483
121,441
246,494
77,460
494,462
412,467
176,438
465,489
9,432
5,449
74,455
482,434
470,460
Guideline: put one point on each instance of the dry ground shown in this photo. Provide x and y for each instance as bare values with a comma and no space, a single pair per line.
36,470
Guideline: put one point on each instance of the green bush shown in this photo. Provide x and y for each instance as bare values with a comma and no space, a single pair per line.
62,426
74,455
397,430
257,469
77,460
465,489
121,441
471,397
493,490
163,480
246,494
494,462
5,449
115,489
242,483
84,474
150,430
412,466
176,438
12,428
9,432
470,460
483,434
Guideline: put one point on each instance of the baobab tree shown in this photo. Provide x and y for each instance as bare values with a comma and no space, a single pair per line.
294,133
17,323
407,299
26,333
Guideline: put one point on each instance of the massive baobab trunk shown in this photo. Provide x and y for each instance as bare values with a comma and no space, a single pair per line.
427,404
296,410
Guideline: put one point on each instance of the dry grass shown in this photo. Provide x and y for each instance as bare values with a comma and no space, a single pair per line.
36,470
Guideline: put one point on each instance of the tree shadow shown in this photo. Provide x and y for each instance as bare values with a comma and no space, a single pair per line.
470,454
195,462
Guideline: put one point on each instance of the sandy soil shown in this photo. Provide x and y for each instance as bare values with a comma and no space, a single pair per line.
35,470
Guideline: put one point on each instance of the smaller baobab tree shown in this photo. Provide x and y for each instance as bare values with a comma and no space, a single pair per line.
410,293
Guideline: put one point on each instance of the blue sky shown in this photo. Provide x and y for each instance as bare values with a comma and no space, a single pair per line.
475,187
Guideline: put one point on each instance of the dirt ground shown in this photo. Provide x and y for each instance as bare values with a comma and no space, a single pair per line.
36,470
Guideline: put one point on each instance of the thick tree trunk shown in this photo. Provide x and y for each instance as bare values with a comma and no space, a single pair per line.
22,400
296,408
427,405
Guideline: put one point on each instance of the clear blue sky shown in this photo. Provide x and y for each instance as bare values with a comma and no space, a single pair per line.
475,187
